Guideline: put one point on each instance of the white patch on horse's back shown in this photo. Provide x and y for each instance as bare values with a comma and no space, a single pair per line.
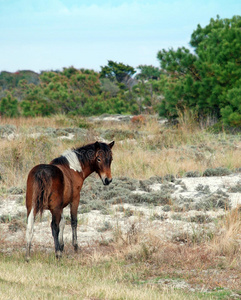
73,160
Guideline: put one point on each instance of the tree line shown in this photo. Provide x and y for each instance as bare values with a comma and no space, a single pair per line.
205,80
73,91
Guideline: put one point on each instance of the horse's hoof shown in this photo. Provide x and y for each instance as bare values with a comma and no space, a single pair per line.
58,254
76,248
27,258
61,247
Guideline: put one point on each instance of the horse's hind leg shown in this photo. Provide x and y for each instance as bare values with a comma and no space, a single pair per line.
73,213
61,232
29,232
56,217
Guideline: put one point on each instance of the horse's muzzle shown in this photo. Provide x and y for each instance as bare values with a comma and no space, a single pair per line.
106,181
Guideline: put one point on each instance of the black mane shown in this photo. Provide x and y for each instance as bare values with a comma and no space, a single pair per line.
60,161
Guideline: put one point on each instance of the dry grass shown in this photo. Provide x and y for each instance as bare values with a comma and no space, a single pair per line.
228,242
29,122
53,121
130,267
156,150
204,262
136,265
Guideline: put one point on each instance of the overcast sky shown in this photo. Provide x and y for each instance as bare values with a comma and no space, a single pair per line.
51,34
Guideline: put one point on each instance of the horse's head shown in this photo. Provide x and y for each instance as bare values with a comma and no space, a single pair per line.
103,159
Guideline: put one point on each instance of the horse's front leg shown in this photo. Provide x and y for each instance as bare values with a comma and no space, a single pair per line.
73,213
56,217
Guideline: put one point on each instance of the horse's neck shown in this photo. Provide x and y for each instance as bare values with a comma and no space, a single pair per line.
87,170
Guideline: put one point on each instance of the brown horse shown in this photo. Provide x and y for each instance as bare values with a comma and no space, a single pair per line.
53,186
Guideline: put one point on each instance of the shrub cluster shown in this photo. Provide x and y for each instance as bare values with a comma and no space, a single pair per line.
71,91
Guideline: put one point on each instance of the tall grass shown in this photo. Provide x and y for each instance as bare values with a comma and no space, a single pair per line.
156,150
20,155
228,241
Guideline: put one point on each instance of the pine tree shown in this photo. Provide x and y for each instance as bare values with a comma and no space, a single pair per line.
203,80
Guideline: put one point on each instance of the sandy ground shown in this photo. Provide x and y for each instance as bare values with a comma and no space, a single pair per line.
95,226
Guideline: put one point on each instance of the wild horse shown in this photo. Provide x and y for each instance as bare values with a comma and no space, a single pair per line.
53,186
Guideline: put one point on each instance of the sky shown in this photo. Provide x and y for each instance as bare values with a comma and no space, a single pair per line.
44,35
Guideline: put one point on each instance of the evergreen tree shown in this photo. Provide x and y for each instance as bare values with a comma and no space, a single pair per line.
116,71
202,80
148,72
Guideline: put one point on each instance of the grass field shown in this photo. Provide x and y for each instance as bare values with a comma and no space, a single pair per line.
74,278
99,275
142,268
143,149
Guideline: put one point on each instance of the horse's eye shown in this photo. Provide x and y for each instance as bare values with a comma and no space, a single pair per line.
98,159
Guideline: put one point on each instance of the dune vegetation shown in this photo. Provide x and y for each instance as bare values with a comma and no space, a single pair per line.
133,265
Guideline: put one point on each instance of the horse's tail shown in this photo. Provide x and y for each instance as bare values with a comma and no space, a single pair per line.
41,190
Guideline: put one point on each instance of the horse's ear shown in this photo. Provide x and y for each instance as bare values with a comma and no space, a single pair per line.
111,144
97,146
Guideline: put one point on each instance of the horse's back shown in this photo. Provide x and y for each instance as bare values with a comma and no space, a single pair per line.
44,178
47,169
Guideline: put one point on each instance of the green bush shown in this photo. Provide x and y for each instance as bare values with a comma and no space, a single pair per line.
9,106
220,171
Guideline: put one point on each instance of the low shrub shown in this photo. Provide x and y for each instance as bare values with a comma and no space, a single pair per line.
220,171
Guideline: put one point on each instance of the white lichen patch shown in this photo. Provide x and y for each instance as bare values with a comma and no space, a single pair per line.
164,220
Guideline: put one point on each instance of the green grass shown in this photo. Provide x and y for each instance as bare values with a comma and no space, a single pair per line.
80,278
